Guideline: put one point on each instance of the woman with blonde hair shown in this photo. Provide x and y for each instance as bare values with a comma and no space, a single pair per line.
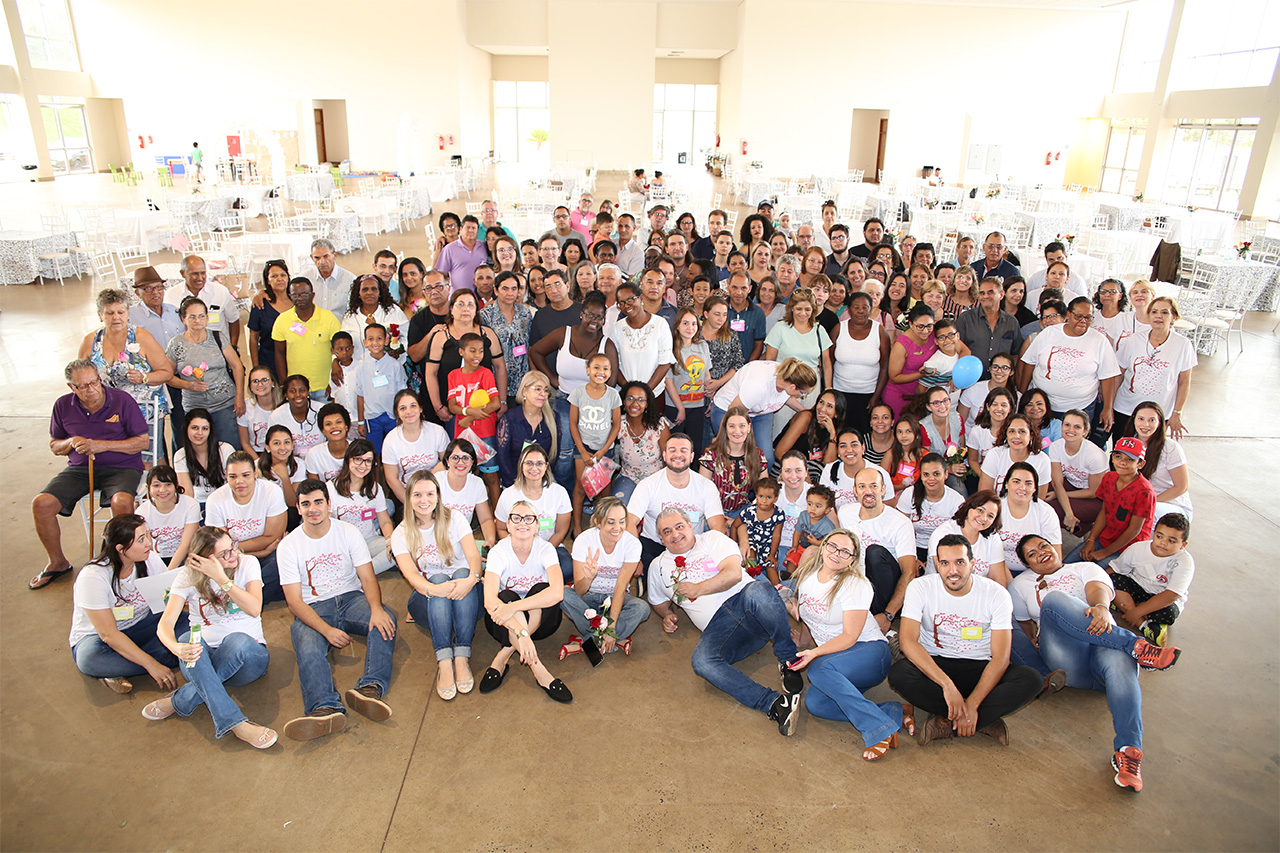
437,555
762,388
605,558
960,293
222,589
832,602
523,588
532,421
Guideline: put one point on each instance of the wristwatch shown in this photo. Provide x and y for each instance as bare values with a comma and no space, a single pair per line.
888,615
524,632
226,587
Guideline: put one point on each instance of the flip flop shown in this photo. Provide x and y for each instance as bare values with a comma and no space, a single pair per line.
46,577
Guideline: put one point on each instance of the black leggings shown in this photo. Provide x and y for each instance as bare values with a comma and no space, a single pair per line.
1163,616
550,623
856,415
1018,686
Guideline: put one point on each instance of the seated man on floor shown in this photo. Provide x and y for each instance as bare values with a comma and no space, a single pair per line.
889,541
702,573
1065,616
327,575
102,432
957,668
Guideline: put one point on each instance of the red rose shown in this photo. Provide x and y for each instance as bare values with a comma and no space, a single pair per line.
754,571
679,562
395,329
595,622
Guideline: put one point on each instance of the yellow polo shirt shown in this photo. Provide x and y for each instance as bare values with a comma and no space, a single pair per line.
307,344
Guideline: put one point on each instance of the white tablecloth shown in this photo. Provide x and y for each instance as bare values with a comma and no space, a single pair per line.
337,228
759,189
20,251
141,228
439,187
1125,216
205,212
803,208
1231,271
419,199
254,196
293,249
1045,227
852,195
374,213
1133,249
1203,229
308,186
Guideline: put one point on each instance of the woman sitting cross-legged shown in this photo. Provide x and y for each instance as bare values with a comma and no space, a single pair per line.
523,588
113,631
850,654
222,590
605,558
438,556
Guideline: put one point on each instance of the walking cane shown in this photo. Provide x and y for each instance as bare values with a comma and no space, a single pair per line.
93,510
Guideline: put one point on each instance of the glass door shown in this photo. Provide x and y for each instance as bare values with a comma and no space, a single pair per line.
67,135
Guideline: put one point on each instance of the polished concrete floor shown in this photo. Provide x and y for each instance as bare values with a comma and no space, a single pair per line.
648,757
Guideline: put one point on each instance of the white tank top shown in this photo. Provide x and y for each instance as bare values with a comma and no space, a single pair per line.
571,369
856,368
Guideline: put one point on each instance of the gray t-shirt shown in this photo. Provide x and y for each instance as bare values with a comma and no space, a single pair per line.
595,417
202,362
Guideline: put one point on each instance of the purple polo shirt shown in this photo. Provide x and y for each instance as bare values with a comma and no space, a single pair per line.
119,419
461,264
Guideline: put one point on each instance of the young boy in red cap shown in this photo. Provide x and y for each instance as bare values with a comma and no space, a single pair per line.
1128,507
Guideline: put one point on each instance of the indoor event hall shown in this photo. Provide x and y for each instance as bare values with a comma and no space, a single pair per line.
614,424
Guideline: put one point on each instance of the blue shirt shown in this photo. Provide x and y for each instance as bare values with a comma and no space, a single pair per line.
164,326
749,325
377,381
804,525
1004,270
514,433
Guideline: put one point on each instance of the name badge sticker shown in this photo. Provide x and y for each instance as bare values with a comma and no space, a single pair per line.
215,317
380,381
368,514
971,632
297,327
122,612
738,325
519,350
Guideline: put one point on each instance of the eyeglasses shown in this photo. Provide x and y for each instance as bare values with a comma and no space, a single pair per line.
942,402
430,288
97,383
1108,292
839,553
522,519
362,460
1003,368
949,337
459,457
628,300
534,463
149,288
993,245
636,400
922,327
225,555
261,380
1080,317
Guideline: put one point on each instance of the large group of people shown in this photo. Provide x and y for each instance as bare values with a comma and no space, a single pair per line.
606,421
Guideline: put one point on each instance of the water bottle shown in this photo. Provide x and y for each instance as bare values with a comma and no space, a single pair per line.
195,640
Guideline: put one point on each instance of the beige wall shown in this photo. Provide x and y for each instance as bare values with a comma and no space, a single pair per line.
520,68
580,29
864,140
336,140
705,71
108,137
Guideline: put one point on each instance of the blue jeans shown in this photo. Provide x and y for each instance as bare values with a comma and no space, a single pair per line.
376,429
761,428
562,466
622,488
566,564
1094,662
238,660
347,612
1074,557
452,623
1023,652
634,611
271,589
836,683
740,628
96,659
224,424
321,396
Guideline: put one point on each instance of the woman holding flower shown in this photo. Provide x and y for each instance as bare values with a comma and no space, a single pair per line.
605,558
208,371
130,359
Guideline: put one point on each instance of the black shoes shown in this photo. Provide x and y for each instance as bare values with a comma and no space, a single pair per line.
785,712
558,691
492,679
792,681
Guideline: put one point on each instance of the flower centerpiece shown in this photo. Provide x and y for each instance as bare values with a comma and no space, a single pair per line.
930,203
978,219
1069,240
1242,250
1138,197
994,192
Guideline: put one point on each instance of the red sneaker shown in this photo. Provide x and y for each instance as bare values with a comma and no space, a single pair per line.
1127,763
1150,656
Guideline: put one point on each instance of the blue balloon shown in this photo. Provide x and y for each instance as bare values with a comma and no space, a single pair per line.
967,371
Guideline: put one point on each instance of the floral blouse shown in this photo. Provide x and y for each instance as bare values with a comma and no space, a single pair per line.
116,373
639,456
730,477
513,336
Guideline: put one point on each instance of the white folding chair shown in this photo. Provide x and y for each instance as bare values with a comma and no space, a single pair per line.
132,258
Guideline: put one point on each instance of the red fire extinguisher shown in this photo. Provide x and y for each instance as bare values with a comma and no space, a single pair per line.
744,147
717,140
451,140
1048,158
440,141
142,143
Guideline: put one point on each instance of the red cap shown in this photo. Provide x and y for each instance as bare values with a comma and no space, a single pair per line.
1131,447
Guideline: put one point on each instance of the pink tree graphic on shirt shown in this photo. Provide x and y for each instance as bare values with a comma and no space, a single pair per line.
1068,357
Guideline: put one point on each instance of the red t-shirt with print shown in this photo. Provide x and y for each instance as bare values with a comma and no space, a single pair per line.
1120,505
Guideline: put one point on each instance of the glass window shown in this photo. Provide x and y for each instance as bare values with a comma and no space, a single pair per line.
51,41
1145,31
1226,44
522,121
1124,153
684,121
1208,163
